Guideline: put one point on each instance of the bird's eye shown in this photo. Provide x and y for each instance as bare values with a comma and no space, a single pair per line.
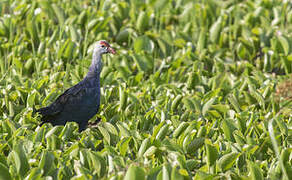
102,46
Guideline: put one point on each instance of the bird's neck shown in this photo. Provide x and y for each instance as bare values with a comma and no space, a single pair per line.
96,65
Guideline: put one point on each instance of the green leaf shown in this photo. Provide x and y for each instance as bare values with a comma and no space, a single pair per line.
202,40
145,144
212,154
150,151
228,127
208,105
46,162
234,103
20,158
176,175
195,144
189,104
285,44
142,21
179,130
59,13
135,173
123,98
227,161
35,174
255,171
124,145
143,43
123,36
162,132
98,163
165,173
215,30
105,134
141,62
176,102
4,172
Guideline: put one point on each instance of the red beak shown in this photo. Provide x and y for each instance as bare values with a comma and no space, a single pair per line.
111,50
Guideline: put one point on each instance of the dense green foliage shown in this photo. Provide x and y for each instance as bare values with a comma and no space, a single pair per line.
197,89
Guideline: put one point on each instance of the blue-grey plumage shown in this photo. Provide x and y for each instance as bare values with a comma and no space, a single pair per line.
80,102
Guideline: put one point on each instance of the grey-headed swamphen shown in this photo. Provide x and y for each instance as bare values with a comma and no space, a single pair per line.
80,102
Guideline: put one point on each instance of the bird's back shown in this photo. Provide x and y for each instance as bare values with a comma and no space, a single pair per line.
78,103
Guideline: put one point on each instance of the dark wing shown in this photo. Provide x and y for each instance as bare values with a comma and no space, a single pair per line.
70,95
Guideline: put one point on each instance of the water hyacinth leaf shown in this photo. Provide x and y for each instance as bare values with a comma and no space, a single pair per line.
105,134
59,13
123,98
257,96
53,37
35,174
176,102
255,171
228,127
234,102
164,174
201,40
111,128
92,24
124,145
3,29
41,49
189,104
204,175
195,144
159,5
31,26
285,159
144,146
143,43
176,175
207,106
67,131
215,30
142,21
193,80
162,132
46,162
4,172
227,161
54,131
29,65
82,18
141,62
74,34
150,151
212,154
123,36
20,162
53,142
19,150
179,130
135,173
123,129
98,162
285,44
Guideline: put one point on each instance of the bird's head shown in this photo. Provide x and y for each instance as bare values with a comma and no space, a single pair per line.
104,47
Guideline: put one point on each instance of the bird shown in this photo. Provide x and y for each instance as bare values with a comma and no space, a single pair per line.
80,102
